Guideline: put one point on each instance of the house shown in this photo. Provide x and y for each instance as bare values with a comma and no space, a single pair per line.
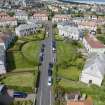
94,69
2,60
72,95
61,18
69,31
6,39
25,29
21,15
93,45
88,101
89,25
6,20
40,16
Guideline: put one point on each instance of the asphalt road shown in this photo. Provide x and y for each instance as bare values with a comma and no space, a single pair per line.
44,94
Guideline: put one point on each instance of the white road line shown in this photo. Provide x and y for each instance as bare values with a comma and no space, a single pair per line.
41,98
50,98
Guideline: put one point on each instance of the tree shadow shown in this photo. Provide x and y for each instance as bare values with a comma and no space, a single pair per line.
6,99
10,62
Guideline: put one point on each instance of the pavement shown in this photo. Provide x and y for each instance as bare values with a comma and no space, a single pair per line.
44,94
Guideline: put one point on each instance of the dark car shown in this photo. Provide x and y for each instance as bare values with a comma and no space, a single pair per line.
49,72
19,95
53,44
41,58
43,45
50,65
42,49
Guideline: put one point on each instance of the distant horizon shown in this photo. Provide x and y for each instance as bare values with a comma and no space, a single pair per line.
87,1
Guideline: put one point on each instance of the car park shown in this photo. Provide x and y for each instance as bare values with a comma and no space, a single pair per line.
19,95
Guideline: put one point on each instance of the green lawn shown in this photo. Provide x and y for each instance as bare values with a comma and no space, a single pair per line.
31,51
69,73
20,79
17,61
68,58
27,57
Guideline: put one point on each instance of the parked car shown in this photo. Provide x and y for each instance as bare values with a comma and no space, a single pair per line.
43,45
49,81
42,50
49,72
50,65
54,49
19,95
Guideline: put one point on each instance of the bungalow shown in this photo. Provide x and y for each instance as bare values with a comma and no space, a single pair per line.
25,29
6,20
94,70
69,31
93,45
61,18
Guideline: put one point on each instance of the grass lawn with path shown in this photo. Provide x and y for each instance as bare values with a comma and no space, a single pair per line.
19,79
27,57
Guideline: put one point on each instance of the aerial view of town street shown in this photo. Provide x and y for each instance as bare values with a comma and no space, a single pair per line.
52,52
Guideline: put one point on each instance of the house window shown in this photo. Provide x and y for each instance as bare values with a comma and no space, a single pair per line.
90,81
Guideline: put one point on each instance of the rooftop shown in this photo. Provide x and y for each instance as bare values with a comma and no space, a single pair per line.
93,42
88,101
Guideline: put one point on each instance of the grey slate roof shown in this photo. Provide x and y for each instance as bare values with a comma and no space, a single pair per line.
95,65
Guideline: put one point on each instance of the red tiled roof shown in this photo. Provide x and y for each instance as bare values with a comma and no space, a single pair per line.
88,101
93,42
75,103
61,16
7,19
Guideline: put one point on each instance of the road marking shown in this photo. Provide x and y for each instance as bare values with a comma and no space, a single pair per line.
41,98
50,97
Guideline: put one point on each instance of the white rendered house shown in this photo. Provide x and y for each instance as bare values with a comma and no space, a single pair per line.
69,32
25,29
94,69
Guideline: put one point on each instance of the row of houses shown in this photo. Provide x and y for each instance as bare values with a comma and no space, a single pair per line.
69,30
6,20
